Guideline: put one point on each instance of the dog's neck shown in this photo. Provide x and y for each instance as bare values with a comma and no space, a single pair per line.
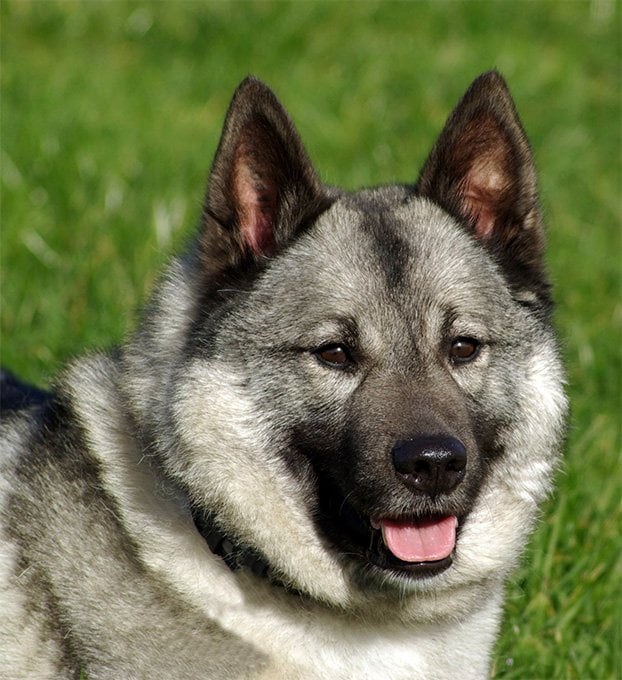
234,554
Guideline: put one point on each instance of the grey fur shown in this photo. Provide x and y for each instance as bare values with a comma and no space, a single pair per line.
225,405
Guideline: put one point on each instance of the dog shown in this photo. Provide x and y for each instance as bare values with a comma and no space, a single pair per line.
322,450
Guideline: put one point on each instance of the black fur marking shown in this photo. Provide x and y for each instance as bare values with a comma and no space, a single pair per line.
388,248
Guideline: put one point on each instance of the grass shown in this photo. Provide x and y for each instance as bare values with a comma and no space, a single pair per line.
110,114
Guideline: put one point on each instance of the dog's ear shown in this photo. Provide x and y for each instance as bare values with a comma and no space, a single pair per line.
481,170
262,186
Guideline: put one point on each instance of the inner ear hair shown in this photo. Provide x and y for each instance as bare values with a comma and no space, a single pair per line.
485,181
255,188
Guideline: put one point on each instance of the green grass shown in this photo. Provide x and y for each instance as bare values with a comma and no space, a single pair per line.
110,113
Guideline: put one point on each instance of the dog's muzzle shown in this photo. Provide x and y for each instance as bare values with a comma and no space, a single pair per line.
419,543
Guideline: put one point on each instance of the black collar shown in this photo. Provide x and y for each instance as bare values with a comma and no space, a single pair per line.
235,555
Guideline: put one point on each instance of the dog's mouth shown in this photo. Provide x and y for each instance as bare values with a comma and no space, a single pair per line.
412,546
420,543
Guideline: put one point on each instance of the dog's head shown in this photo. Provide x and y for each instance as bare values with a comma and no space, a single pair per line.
363,388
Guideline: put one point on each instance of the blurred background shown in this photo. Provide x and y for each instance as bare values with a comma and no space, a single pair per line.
110,114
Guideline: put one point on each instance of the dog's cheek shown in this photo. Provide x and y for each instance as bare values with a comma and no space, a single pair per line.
300,397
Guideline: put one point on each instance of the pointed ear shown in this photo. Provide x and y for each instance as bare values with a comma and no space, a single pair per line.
262,185
481,170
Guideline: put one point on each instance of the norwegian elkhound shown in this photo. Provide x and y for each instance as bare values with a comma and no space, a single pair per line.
321,452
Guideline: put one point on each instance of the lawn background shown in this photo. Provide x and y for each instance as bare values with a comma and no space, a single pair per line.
110,114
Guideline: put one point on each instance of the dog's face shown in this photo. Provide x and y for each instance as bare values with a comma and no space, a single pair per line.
371,390
382,354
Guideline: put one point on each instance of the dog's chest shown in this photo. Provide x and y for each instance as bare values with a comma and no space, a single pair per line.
341,655
311,646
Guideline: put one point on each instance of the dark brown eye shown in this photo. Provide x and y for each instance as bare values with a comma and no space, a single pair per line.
335,356
463,350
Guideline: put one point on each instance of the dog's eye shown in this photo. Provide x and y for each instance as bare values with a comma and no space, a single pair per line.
463,350
335,356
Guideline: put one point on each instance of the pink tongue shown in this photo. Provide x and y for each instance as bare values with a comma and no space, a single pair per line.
424,541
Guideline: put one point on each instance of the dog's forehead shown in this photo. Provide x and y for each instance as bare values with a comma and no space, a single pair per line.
371,240
384,265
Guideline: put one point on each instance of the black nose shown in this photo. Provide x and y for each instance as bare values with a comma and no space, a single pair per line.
430,464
